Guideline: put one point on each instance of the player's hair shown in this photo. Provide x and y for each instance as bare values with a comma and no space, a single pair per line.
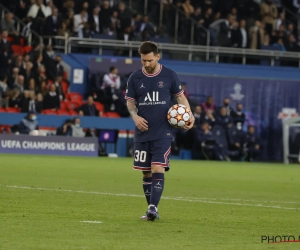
148,47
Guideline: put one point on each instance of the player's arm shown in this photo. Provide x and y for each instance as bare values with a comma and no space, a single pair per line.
181,99
140,122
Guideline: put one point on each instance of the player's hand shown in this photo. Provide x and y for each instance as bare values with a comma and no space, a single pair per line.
140,123
191,124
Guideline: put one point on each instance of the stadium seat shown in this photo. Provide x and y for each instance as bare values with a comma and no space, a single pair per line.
73,112
75,97
27,49
72,105
111,115
63,106
2,110
65,87
49,112
99,106
17,49
12,110
63,112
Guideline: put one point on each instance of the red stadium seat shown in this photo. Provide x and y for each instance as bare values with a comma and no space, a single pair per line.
49,112
112,115
27,49
72,105
75,97
2,110
17,49
65,87
63,106
73,112
99,106
63,112
12,110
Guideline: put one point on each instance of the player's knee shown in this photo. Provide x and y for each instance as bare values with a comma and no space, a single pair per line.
147,174
157,169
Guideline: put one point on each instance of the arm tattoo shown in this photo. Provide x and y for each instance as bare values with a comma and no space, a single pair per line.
132,108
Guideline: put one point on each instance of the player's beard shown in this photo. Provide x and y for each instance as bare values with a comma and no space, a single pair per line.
150,70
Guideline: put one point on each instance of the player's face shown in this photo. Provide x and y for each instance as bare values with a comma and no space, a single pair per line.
150,62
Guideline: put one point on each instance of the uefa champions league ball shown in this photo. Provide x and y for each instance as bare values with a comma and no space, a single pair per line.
178,116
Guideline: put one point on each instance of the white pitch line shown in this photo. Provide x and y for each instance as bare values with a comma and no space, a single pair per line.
202,200
92,221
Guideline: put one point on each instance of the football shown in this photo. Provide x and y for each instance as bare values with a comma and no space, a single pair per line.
178,115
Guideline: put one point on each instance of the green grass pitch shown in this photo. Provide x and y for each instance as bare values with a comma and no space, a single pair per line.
45,201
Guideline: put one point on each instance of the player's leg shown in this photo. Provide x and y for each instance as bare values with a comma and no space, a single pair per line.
147,183
142,163
160,150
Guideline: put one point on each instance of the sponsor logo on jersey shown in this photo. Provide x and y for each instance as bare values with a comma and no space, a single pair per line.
160,84
152,98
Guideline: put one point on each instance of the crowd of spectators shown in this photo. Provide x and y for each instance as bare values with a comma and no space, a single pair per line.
84,19
218,133
254,24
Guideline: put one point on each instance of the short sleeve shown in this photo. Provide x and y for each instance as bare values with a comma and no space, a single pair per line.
176,89
130,90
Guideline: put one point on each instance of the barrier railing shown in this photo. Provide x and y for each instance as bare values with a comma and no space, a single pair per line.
210,53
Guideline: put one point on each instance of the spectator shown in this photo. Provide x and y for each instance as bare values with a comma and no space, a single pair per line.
29,125
268,13
266,41
19,64
240,36
15,99
209,105
105,14
50,7
188,8
208,18
42,88
291,44
27,28
205,140
20,83
280,20
251,144
124,15
8,23
209,118
53,23
226,104
65,129
89,108
238,116
198,116
94,21
256,35
32,85
5,60
223,119
112,83
145,28
38,10
59,67
70,20
63,30
3,87
224,38
79,21
4,43
12,78
279,44
59,90
29,72
77,130
51,100
39,102
31,105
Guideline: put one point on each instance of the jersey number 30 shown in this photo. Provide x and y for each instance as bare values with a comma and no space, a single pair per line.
140,156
